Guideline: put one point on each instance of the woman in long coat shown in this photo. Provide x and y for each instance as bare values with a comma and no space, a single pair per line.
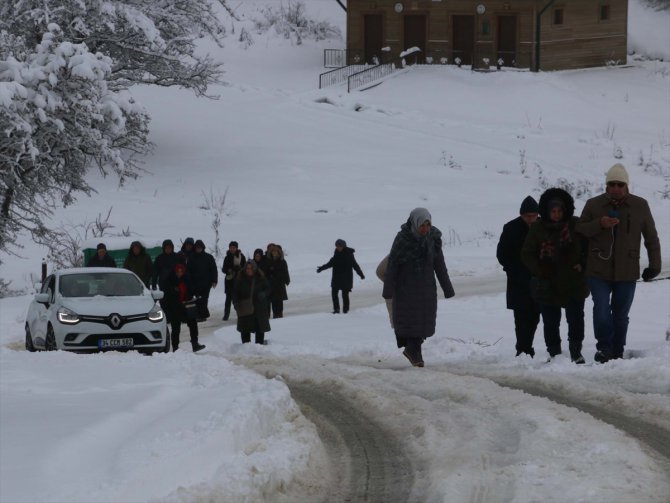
555,255
415,260
276,270
252,292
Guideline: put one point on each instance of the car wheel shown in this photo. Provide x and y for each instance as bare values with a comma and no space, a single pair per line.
50,340
166,348
29,341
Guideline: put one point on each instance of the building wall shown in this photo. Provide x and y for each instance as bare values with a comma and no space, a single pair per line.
581,41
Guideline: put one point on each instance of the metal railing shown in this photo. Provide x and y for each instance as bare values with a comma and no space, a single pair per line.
364,77
337,58
338,75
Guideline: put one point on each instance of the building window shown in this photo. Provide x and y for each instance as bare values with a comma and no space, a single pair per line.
604,12
558,17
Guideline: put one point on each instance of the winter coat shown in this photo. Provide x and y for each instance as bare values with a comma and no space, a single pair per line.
203,271
230,269
554,254
140,264
614,254
344,264
508,254
410,281
259,321
163,266
276,271
172,305
105,261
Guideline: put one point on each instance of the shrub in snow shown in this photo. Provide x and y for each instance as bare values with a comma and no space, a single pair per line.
293,23
57,118
148,42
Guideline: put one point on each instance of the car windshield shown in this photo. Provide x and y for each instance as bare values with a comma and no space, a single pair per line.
101,283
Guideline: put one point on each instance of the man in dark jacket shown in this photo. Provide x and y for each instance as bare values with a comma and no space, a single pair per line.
164,265
204,275
101,258
344,264
232,264
526,311
139,262
614,223
416,258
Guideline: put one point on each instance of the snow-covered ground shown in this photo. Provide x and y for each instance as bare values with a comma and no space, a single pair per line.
303,167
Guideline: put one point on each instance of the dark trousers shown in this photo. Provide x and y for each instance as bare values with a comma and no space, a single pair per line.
277,307
612,301
229,302
336,300
551,319
246,337
525,325
175,329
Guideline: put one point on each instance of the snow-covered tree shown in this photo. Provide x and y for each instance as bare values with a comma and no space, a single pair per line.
151,42
57,118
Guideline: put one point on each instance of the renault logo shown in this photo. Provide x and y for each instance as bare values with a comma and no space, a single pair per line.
115,321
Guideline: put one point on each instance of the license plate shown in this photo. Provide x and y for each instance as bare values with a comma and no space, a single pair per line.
116,343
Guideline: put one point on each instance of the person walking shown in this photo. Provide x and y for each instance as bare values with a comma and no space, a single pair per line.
178,292
526,310
164,265
553,252
276,270
204,275
415,260
252,293
101,257
232,264
614,223
139,262
343,264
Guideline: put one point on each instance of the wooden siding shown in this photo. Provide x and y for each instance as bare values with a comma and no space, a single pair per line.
582,41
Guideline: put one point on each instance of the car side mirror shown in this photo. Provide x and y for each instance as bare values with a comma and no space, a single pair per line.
42,298
157,294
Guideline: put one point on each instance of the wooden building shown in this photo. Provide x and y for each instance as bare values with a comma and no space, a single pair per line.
535,34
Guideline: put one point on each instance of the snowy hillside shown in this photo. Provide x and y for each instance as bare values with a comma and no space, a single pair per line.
302,167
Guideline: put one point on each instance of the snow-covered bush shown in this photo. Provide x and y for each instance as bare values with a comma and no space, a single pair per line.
57,118
148,42
292,22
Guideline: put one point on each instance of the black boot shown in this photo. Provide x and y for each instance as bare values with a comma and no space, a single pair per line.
197,347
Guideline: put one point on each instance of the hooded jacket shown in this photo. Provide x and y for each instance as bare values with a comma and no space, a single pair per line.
343,264
140,264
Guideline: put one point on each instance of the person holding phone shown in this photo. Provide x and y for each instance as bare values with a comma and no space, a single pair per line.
615,223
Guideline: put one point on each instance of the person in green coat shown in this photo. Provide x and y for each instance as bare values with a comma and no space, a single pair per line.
139,262
554,254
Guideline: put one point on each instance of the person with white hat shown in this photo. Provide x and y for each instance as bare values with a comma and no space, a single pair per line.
615,222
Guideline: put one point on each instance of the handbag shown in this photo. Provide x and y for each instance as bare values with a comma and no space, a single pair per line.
190,309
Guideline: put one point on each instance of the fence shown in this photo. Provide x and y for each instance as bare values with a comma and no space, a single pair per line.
338,75
364,77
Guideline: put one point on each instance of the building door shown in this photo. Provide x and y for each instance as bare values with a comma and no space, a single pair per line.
374,38
507,40
463,45
415,36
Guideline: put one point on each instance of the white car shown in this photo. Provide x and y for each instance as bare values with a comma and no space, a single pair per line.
96,308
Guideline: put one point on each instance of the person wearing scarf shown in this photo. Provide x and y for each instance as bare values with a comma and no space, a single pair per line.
415,260
615,224
553,252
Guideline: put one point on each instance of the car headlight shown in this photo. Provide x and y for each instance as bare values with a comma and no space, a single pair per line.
68,317
156,314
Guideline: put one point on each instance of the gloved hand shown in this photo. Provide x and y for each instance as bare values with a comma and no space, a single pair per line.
362,276
648,274
319,269
449,292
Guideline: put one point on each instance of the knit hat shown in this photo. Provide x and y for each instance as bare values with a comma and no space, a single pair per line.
101,246
529,205
341,242
233,243
617,173
189,241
